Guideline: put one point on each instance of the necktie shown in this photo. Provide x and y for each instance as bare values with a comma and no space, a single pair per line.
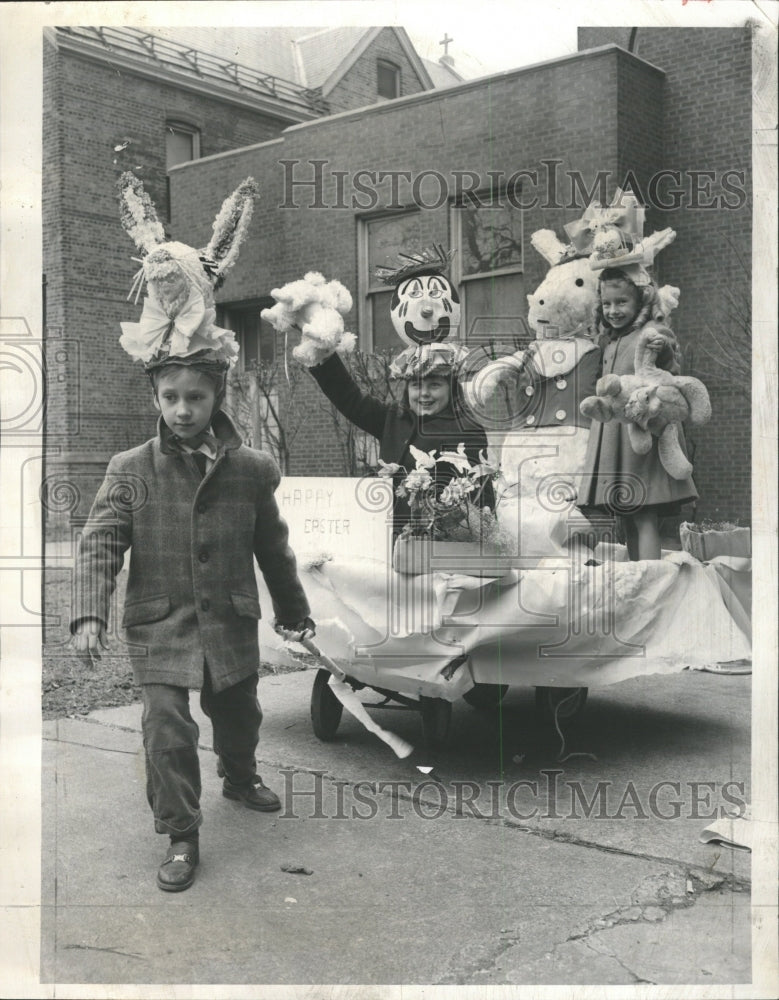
198,439
200,462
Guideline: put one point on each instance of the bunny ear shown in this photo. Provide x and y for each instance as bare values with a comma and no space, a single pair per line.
545,241
230,228
655,243
138,215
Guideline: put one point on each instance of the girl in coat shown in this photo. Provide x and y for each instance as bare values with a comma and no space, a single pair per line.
430,415
617,480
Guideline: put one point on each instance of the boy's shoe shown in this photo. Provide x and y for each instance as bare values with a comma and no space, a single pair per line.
253,794
177,871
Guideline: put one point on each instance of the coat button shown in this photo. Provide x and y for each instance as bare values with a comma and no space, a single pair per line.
205,604
530,420
560,415
203,557
561,383
529,390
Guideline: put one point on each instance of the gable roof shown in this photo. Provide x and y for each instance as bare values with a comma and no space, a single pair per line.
312,57
441,74
328,54
320,51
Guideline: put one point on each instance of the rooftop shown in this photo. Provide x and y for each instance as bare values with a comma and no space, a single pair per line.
164,53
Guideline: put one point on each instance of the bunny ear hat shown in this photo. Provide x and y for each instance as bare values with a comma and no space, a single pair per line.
178,319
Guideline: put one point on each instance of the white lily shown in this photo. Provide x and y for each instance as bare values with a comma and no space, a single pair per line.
424,459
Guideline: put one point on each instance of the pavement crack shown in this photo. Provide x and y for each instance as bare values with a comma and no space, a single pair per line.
656,896
403,789
481,961
608,953
88,746
92,947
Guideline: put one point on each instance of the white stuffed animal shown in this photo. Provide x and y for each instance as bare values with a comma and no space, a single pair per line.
316,308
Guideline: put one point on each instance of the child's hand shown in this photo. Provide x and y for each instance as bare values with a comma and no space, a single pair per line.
294,633
656,341
89,639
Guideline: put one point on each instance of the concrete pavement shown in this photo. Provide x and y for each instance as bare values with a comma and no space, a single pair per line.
515,869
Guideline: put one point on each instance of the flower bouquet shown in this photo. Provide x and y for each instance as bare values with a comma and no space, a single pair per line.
448,521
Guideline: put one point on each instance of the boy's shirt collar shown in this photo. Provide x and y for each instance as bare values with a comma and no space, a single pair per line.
204,441
224,434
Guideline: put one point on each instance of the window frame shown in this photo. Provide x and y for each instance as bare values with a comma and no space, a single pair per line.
366,287
459,278
388,64
185,128
257,303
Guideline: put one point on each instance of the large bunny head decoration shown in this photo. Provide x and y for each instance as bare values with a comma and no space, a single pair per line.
563,305
178,319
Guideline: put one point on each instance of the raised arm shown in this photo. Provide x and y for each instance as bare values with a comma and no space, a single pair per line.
366,412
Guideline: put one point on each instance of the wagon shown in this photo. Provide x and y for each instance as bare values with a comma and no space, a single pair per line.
561,705
563,627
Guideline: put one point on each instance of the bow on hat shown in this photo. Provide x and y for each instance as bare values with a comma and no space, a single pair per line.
191,330
624,215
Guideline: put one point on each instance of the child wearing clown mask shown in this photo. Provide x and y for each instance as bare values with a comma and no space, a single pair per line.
425,309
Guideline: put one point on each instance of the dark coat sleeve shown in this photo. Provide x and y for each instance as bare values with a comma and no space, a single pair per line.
106,537
367,412
272,551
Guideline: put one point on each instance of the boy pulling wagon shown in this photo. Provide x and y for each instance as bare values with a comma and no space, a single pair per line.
196,507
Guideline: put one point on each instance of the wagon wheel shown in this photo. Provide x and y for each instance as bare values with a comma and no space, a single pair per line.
486,697
326,709
571,703
436,720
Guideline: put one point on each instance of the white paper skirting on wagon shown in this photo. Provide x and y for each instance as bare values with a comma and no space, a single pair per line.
568,625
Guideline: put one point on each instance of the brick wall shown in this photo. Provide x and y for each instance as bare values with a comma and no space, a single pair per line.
605,111
566,111
706,126
89,109
358,85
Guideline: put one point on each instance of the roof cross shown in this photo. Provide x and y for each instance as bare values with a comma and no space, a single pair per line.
445,41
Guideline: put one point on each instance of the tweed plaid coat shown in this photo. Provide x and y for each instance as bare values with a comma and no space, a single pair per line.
191,591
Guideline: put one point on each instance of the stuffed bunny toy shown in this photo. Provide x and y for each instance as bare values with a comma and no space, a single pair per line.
316,308
652,403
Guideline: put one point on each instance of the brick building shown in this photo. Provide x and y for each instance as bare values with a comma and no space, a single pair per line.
122,98
478,166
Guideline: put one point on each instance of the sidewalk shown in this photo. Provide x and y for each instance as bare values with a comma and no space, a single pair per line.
402,897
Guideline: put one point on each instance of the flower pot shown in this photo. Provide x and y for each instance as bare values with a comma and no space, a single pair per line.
415,556
709,543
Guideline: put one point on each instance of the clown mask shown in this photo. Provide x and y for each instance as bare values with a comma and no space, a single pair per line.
425,309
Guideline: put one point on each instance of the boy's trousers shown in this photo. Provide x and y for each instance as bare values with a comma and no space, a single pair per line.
170,740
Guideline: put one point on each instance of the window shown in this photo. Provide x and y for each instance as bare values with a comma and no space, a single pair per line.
182,144
256,338
387,79
253,402
488,271
381,239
